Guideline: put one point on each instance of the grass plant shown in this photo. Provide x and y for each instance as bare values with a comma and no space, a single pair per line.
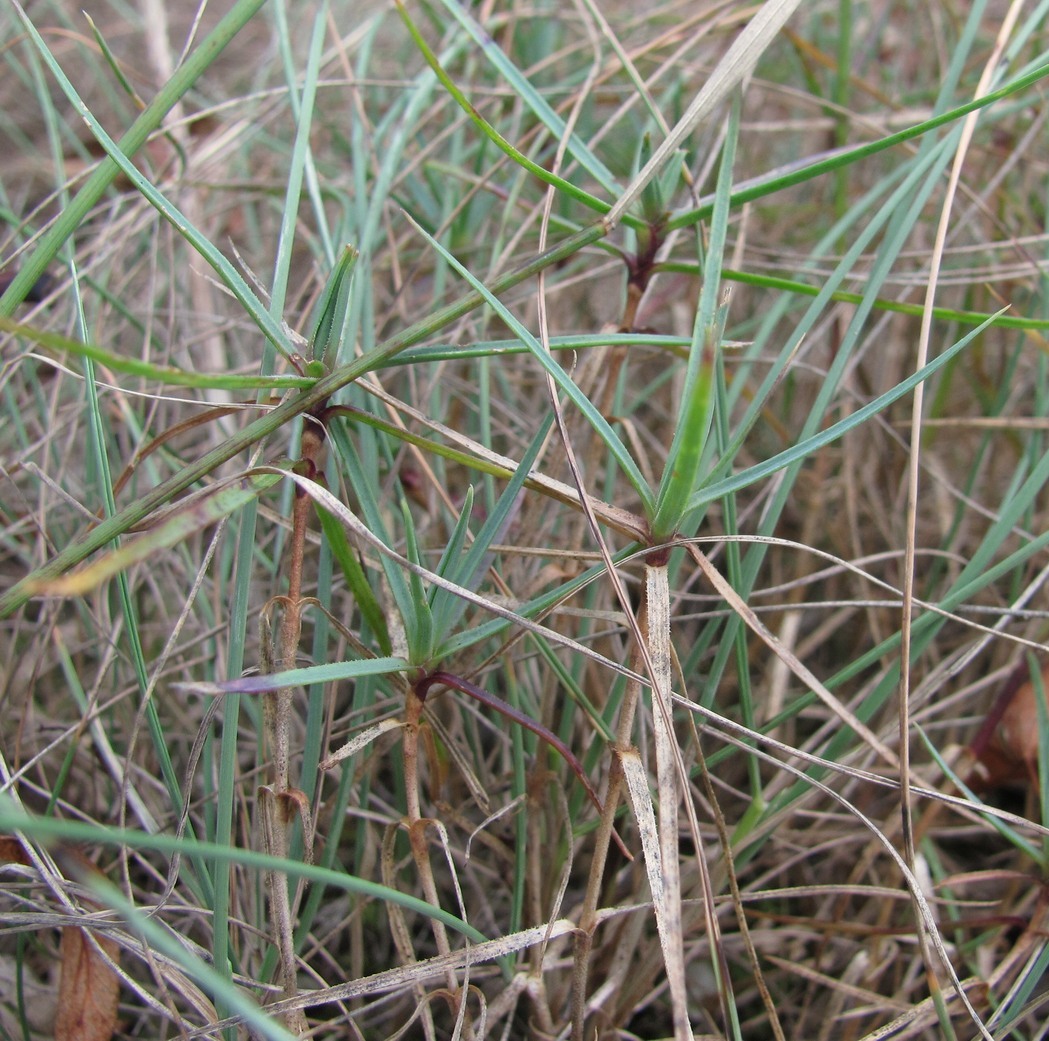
514,517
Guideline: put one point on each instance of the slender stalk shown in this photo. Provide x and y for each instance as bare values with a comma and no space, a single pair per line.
417,827
279,804
599,858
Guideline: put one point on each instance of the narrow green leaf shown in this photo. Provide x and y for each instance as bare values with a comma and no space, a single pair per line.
302,105
544,175
418,622
449,566
831,434
690,438
374,516
330,672
155,936
803,174
328,332
356,579
184,521
523,89
561,378
114,65
681,472
13,819
162,374
448,608
187,74
1009,833
98,535
653,201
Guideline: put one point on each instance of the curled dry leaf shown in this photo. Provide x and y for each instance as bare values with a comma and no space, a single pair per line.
11,851
88,988
1006,747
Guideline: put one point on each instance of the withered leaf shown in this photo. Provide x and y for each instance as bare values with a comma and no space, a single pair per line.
88,989
1006,746
11,851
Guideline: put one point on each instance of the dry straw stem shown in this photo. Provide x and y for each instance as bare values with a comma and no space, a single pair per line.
730,72
798,668
914,469
670,788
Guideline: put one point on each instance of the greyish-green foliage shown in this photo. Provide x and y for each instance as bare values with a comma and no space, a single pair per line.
515,518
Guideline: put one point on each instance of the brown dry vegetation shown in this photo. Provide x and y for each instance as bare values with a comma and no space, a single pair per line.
838,916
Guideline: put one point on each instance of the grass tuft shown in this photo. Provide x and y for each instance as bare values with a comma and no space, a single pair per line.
525,521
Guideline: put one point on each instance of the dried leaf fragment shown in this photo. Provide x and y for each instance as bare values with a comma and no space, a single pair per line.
88,988
1007,745
11,851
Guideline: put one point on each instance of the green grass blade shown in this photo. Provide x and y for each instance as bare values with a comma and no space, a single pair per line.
832,433
328,333
563,381
356,579
42,829
808,172
36,263
470,569
418,620
560,183
682,467
330,672
450,564
524,90
300,153
163,375
323,389
188,519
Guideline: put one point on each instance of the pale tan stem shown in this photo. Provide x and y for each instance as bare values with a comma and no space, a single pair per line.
275,837
610,802
417,827
279,804
668,918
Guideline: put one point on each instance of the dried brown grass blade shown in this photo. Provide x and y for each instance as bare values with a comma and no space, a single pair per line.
671,938
732,69
803,673
665,901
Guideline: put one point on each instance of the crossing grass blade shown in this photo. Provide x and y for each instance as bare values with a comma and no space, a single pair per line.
733,339
36,263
